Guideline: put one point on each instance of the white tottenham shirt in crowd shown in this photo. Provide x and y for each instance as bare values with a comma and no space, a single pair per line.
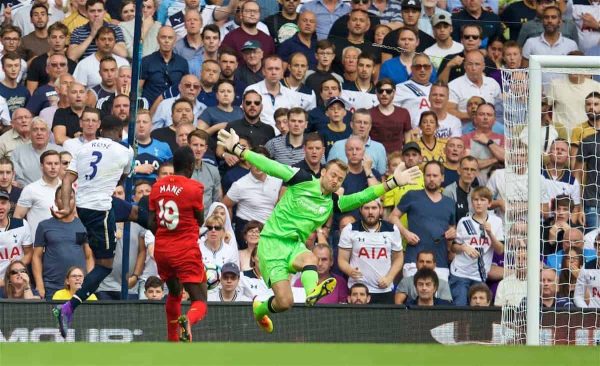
468,232
371,252
12,240
588,282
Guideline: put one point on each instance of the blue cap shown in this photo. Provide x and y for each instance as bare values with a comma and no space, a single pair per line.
230,268
333,100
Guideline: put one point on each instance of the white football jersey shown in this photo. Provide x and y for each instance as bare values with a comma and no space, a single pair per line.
357,99
588,281
12,240
468,232
99,165
414,97
371,252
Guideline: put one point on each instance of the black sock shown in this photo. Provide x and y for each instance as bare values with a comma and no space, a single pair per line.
91,282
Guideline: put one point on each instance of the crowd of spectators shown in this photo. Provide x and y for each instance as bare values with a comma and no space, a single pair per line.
374,83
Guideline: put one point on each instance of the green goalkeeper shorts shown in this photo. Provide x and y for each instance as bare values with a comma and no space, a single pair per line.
276,258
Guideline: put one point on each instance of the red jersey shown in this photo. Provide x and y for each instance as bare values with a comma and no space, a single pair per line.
173,200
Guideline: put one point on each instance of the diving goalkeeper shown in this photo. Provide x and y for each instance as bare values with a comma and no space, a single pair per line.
306,205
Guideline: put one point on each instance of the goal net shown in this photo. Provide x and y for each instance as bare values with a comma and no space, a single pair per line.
551,285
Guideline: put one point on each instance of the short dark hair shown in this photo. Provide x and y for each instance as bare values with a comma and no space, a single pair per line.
10,56
105,30
426,252
47,153
468,158
593,94
107,59
366,56
330,78
153,281
325,44
87,109
181,100
358,285
212,28
426,273
251,91
481,287
224,81
183,159
35,6
313,136
90,3
385,81
225,50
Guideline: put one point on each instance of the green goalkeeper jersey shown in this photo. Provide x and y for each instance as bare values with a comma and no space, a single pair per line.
303,208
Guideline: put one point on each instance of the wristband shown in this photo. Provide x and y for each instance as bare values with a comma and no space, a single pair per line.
238,149
391,183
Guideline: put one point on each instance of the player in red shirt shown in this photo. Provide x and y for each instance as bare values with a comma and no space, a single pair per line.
176,214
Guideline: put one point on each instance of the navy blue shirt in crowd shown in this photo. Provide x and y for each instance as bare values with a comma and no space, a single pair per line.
429,221
39,99
63,248
15,97
293,45
159,75
317,119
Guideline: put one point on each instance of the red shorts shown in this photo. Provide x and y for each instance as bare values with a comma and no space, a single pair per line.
186,267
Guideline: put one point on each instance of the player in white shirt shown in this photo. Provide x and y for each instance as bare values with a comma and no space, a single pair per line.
478,236
99,165
370,252
15,237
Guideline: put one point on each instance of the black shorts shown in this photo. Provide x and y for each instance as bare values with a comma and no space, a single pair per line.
100,227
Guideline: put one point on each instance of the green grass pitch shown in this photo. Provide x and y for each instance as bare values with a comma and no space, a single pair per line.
302,354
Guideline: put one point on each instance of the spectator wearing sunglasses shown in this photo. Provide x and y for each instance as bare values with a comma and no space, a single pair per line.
452,66
213,247
250,125
391,124
189,89
18,284
413,94
15,239
473,13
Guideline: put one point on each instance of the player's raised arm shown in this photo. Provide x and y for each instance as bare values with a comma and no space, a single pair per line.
66,190
230,141
401,177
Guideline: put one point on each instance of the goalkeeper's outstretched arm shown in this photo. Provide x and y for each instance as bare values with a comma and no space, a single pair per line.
230,141
401,177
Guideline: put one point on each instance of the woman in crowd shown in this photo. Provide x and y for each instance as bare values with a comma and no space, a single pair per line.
571,265
251,235
73,281
219,209
17,284
212,244
215,118
432,148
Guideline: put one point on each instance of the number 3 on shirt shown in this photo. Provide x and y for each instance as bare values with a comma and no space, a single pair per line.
94,165
168,214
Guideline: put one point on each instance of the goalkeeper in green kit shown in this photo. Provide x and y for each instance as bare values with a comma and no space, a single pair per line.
306,205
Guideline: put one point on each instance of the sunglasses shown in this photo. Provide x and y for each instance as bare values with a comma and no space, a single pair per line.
422,66
470,37
17,271
191,86
65,163
250,102
385,91
215,228
360,2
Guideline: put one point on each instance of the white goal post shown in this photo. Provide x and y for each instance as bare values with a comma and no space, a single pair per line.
537,65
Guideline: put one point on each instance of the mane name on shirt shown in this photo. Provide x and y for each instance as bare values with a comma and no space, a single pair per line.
176,190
